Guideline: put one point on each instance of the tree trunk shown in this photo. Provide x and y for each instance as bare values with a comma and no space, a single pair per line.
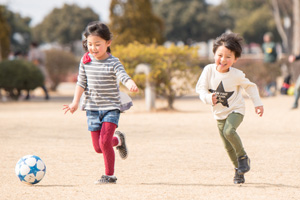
0,52
170,102
279,26
296,28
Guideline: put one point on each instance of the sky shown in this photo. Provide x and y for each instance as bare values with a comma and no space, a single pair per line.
38,9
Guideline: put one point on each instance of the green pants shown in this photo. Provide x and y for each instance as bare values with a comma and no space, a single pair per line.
231,140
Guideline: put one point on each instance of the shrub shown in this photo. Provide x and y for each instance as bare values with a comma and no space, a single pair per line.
60,64
259,72
174,70
17,75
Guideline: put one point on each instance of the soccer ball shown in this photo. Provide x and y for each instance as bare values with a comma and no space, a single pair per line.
30,169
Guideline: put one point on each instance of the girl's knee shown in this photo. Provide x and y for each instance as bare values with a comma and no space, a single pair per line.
104,144
97,149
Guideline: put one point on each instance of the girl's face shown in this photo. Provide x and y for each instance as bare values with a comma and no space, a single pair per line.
224,58
98,46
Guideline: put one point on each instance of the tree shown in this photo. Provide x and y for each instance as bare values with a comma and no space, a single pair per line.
217,21
133,20
174,70
17,75
252,19
285,12
59,64
4,34
279,25
296,32
20,36
64,25
192,20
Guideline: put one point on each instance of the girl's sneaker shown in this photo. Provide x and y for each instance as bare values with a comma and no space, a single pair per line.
244,164
123,151
106,180
238,179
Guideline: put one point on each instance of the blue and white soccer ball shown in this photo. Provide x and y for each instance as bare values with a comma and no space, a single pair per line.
30,169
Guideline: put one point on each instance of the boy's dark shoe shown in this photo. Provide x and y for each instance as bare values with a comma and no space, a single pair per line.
238,179
106,180
123,151
244,164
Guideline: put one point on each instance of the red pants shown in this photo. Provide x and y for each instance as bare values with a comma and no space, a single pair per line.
103,142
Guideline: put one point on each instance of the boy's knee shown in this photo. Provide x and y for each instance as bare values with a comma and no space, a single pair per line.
229,149
229,132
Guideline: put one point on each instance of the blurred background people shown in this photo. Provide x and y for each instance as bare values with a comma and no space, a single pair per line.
293,58
270,58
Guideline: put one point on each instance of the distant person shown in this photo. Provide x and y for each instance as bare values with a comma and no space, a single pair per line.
97,79
293,58
269,48
220,86
270,58
37,57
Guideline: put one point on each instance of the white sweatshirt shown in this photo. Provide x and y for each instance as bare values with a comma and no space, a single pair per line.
228,88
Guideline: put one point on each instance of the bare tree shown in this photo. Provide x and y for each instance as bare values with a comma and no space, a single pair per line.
296,27
279,25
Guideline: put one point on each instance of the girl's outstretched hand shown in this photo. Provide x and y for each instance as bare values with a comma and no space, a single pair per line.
131,86
72,108
259,110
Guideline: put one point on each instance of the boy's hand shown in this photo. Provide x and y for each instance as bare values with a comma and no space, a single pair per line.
214,99
259,110
131,86
291,58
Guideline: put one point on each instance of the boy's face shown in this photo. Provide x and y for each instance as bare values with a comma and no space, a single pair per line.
97,46
224,58
267,38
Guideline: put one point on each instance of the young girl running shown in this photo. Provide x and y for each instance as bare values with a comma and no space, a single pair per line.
98,77
220,86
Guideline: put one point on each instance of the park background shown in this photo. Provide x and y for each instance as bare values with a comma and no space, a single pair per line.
175,151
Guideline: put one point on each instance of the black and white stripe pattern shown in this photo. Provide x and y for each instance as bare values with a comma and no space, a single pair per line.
100,79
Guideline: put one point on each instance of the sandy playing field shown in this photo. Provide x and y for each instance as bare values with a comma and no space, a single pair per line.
172,155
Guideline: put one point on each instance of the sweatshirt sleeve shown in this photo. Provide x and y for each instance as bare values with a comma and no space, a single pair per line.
202,87
297,57
251,90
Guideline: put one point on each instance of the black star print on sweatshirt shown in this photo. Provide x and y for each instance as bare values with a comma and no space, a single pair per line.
222,96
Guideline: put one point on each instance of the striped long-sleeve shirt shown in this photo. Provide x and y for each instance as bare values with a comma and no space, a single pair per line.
99,79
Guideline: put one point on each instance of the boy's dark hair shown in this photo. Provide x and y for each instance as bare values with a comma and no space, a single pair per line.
96,28
231,41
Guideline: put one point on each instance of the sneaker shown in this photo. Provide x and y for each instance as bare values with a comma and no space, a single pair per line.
106,180
244,164
123,151
238,179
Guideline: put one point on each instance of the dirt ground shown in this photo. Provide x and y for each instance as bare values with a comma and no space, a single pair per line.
172,155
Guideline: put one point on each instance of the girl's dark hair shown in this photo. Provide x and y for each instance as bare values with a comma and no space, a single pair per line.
231,41
96,28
